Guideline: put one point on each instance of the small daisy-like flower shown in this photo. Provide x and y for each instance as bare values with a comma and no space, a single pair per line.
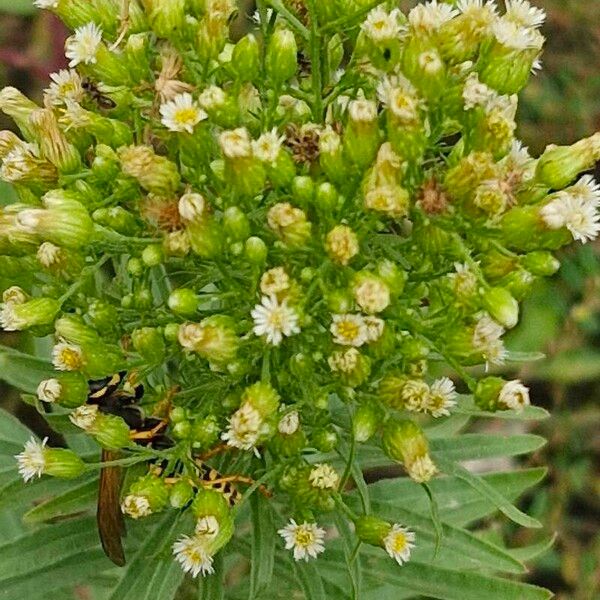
83,45
192,555
429,17
522,13
403,105
192,206
136,506
386,199
374,327
189,335
268,146
66,85
212,98
32,461
381,26
342,244
14,295
9,320
181,113
442,397
84,416
587,189
475,93
398,543
362,110
49,390
48,254
514,36
274,281
289,423
236,143
579,216
349,330
324,477
372,295
67,357
344,361
415,395
421,469
487,340
306,540
207,527
464,281
274,320
244,428
514,395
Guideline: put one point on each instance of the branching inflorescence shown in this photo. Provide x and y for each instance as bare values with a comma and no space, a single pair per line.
280,237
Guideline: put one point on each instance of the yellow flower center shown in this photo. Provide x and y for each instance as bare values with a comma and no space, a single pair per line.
70,358
304,537
348,330
186,115
399,542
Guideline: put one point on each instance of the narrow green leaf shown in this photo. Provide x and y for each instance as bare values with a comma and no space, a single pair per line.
472,446
76,499
310,580
352,563
211,588
22,370
447,427
263,545
466,406
533,551
480,485
17,7
12,430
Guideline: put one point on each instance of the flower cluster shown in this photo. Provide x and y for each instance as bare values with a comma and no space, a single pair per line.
269,232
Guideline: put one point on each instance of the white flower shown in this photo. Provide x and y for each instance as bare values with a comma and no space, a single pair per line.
212,98
374,327
362,110
575,213
192,555
45,3
306,539
400,96
66,85
289,423
84,416
9,320
329,141
372,294
514,36
475,6
236,143
382,26
522,13
274,320
83,45
345,361
49,390
268,146
514,395
398,543
587,189
189,335
429,17
421,469
274,281
415,395
32,461
442,397
67,357
324,477
48,254
487,340
181,113
207,527
464,281
244,428
430,62
349,330
192,206
476,93
519,159
136,506
14,295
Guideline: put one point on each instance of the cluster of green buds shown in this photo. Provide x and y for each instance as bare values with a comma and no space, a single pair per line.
271,230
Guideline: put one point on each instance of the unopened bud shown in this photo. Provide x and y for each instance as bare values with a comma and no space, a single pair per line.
501,306
281,57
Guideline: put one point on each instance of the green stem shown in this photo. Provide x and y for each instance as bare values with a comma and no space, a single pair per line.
290,18
344,508
315,61
83,278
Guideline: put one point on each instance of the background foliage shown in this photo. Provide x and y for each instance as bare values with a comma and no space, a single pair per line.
562,320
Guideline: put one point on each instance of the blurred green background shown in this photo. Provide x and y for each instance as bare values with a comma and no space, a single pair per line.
562,318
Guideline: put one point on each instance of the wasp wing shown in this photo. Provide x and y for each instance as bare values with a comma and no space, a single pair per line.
111,526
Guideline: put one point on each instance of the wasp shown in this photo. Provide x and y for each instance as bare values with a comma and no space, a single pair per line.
93,91
114,395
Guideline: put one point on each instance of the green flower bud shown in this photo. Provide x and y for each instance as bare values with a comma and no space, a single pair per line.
236,223
361,138
244,173
245,59
152,256
118,219
281,61
167,17
178,414
518,283
463,179
262,397
351,366
135,267
366,421
371,530
303,190
111,432
63,463
487,392
423,65
211,502
182,430
73,329
331,155
181,493
17,106
255,250
149,343
289,223
540,263
205,432
105,165
68,389
559,165
501,306
156,174
39,311
335,52
403,441
325,439
215,339
392,275
153,489
184,302
171,332
326,198
205,237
